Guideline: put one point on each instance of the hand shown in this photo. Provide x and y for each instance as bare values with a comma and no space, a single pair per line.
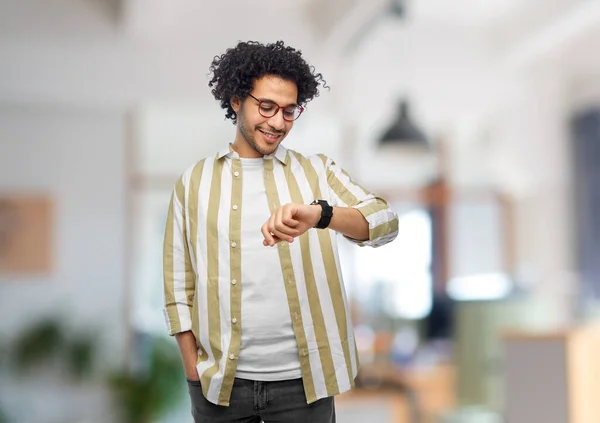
192,376
289,222
189,354
189,366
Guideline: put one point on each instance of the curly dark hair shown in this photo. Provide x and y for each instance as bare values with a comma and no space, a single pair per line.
235,71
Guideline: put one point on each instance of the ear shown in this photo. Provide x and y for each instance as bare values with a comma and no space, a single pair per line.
236,103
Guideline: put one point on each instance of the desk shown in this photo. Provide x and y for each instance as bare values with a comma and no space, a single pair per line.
434,390
553,377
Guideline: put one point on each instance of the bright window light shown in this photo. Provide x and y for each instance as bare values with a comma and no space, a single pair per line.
395,278
489,286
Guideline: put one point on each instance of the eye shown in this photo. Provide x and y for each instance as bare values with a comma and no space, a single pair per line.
267,107
290,112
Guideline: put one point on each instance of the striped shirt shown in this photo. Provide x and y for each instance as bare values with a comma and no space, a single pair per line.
202,267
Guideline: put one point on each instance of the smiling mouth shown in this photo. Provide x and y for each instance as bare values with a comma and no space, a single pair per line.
270,135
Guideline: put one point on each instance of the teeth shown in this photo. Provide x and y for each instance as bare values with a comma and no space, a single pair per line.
270,135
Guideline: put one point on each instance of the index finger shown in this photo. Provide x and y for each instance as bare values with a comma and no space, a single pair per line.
269,237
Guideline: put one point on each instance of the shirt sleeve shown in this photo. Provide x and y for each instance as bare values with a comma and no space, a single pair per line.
178,274
344,192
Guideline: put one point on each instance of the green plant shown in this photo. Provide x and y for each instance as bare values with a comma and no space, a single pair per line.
49,340
39,341
145,395
141,396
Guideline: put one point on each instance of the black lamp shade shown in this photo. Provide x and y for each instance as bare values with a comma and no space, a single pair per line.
403,131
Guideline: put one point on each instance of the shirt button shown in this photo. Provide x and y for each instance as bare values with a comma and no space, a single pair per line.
236,174
233,244
233,281
235,207
234,320
232,357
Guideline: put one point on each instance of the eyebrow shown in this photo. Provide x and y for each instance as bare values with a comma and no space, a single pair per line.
274,102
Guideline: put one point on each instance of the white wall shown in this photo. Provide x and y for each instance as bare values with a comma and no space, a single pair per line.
533,148
77,157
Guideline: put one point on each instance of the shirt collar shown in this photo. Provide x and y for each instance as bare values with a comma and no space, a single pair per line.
280,154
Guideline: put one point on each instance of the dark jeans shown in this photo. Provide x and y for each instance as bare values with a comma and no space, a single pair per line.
254,401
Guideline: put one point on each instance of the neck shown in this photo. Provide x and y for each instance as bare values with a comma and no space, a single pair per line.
241,146
245,151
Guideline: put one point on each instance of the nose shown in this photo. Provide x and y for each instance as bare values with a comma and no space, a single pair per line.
277,121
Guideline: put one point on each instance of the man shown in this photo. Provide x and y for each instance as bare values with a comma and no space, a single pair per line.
264,332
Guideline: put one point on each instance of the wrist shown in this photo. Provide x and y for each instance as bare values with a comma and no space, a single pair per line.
316,214
190,369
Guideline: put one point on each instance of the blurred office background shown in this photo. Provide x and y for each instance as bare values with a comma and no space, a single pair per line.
478,121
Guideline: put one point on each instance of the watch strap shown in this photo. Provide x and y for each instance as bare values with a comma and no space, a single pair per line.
326,213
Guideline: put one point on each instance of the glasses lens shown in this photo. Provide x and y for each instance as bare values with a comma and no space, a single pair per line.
267,108
292,112
270,109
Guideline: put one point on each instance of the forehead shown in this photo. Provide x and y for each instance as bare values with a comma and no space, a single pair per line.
277,89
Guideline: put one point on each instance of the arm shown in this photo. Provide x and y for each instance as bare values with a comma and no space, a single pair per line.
179,281
189,353
349,222
382,221
357,214
292,220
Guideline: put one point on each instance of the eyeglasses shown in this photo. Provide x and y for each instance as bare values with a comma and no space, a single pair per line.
268,108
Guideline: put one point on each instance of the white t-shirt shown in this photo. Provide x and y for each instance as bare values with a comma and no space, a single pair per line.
269,350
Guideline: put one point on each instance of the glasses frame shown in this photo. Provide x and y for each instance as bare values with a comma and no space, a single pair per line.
278,107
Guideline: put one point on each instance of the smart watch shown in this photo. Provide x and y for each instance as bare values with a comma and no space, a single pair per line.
326,213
